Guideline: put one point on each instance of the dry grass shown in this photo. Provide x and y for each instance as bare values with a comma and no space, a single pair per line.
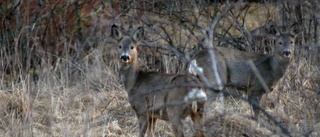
97,106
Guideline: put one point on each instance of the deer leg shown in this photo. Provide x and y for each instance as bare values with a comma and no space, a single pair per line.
177,127
151,126
212,95
255,98
197,119
175,117
143,123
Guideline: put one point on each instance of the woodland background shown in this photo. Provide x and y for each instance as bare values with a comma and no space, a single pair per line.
58,73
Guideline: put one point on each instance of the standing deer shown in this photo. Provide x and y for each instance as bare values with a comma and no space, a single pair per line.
149,94
236,73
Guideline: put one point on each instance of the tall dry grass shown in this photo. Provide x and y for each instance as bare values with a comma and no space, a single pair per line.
96,105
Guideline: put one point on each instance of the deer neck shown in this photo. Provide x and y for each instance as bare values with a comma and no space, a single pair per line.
129,73
279,65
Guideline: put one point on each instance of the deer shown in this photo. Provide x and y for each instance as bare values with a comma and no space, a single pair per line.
236,73
148,92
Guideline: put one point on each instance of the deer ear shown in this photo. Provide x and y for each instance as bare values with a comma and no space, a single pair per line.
138,34
115,32
274,30
138,48
294,29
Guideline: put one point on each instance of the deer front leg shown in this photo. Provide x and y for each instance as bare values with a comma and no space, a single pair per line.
143,123
255,98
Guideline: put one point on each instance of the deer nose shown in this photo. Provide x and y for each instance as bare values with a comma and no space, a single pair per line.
125,58
286,53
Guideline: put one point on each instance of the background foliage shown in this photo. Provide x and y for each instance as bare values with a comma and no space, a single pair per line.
58,75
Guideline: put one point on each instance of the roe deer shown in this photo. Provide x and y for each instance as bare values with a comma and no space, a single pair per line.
149,94
235,71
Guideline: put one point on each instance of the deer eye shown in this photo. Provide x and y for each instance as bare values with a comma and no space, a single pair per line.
291,42
131,47
120,47
280,43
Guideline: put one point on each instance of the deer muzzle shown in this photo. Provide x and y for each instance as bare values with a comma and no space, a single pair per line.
125,58
286,53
